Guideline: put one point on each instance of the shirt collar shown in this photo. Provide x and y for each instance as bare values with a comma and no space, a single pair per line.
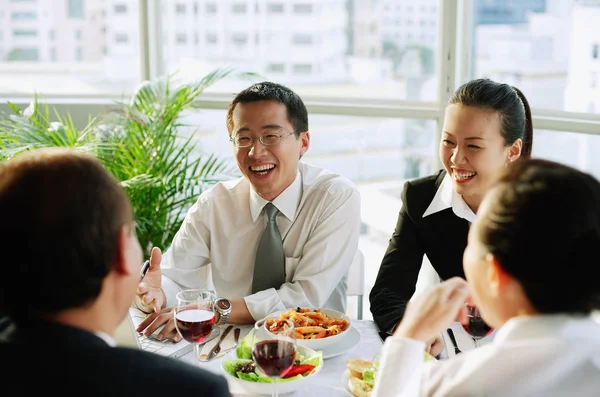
106,338
446,197
287,202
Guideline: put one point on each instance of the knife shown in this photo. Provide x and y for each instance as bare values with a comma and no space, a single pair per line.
217,348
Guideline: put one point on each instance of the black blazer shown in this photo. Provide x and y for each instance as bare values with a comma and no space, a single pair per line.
57,358
441,236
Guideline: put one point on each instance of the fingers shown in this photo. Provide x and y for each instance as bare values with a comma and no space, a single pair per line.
162,321
155,258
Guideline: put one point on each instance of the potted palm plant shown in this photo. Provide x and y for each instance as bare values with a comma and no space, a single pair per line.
140,143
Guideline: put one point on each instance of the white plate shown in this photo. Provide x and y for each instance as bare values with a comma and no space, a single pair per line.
347,343
345,380
267,388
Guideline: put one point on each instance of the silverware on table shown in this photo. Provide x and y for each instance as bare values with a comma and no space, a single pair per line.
453,339
217,348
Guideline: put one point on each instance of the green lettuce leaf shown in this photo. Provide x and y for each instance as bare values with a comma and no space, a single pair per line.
244,348
231,366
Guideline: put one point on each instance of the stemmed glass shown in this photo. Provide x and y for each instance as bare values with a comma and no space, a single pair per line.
476,327
195,317
274,347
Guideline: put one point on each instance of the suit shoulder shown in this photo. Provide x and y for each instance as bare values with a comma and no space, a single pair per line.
418,193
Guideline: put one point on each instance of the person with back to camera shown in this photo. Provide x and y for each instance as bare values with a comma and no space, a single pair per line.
316,221
70,277
528,270
487,125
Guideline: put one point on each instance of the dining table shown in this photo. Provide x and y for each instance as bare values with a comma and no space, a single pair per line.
329,381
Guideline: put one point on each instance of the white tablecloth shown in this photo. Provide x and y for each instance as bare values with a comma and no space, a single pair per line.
329,381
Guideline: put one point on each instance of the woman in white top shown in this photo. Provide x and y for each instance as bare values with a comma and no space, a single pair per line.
530,269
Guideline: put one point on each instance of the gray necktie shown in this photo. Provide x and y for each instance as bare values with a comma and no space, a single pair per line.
270,260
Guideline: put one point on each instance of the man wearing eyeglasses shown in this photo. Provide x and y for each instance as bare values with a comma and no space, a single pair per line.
281,236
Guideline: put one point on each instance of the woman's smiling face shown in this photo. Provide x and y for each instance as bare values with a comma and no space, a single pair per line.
473,150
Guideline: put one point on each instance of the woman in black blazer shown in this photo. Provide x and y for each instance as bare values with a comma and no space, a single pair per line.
487,125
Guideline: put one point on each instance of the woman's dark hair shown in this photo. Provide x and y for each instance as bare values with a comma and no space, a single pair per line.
508,101
268,91
542,224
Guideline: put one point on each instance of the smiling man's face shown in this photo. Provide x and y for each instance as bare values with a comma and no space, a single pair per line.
269,169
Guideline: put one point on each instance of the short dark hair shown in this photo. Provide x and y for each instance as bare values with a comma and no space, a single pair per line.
268,91
543,226
508,101
61,214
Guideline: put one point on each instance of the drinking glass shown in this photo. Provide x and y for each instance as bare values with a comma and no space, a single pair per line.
195,317
274,347
476,327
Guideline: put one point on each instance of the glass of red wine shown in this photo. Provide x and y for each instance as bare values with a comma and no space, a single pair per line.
274,347
476,327
195,317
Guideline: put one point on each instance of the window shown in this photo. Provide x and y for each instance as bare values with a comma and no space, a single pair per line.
75,9
276,68
180,9
302,38
211,8
542,50
181,38
120,9
302,68
121,38
23,16
239,38
79,54
77,34
211,38
238,9
302,8
595,51
275,8
22,54
25,33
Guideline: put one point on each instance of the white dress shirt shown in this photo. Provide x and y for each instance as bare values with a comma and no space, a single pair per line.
319,222
533,356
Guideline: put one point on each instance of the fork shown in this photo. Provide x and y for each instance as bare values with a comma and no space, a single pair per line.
236,335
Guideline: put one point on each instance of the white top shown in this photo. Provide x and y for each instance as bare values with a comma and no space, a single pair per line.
547,356
319,221
446,197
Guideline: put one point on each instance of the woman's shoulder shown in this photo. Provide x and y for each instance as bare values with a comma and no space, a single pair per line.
418,193
426,185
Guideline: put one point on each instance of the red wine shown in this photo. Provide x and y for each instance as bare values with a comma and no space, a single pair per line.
274,357
195,325
477,328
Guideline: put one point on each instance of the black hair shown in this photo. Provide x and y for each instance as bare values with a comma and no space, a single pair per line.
268,91
543,226
508,101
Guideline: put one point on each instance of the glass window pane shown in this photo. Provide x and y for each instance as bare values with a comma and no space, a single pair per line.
577,150
333,48
547,48
79,47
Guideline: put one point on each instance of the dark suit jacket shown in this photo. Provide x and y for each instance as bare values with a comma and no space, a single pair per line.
441,236
57,358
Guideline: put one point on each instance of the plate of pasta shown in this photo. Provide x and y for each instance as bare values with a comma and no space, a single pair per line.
318,328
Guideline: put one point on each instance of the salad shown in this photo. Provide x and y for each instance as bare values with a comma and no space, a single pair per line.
244,367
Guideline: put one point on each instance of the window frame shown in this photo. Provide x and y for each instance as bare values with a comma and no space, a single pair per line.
452,64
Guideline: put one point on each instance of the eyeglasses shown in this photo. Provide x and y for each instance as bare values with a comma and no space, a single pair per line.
268,139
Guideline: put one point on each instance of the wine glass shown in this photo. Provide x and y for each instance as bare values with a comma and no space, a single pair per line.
476,327
274,347
195,317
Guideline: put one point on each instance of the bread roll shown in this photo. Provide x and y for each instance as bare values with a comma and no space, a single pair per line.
359,388
356,367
